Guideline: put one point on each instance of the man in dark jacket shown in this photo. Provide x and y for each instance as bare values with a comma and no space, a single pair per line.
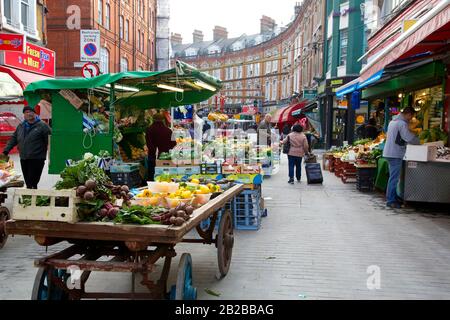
31,136
159,140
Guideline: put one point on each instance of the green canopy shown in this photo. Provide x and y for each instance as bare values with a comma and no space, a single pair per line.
139,88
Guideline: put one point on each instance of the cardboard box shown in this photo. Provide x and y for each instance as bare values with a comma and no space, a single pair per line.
165,170
231,169
251,169
423,153
188,170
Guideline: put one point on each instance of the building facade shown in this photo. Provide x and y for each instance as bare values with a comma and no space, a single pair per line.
127,28
344,45
268,67
27,18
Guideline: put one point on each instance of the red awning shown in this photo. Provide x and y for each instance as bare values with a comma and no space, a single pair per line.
287,114
430,33
277,115
23,78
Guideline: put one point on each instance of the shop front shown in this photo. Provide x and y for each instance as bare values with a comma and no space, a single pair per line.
17,70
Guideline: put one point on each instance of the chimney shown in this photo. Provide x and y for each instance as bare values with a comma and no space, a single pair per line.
175,39
267,25
197,36
220,33
297,8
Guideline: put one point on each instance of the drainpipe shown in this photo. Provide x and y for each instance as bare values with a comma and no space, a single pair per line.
134,33
120,40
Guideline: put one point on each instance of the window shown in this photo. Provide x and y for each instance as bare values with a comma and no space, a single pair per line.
123,65
138,39
121,27
143,42
274,65
100,12
239,72
228,76
107,16
257,70
25,14
104,60
343,47
127,31
139,7
274,90
7,10
330,54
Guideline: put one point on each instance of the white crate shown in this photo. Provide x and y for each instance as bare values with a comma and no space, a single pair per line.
423,153
50,213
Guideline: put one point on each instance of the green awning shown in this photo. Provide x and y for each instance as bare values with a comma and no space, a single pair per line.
419,78
197,86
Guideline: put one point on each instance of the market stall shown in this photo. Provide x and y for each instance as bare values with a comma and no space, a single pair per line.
92,118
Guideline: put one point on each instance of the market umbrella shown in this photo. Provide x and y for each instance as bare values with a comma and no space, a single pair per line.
181,85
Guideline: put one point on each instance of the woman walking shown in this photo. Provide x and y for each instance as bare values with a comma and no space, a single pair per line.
297,150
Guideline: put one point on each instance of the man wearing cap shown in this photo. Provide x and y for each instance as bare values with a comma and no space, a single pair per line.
31,136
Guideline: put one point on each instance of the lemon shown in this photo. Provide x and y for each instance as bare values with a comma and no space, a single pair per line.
204,190
186,195
196,181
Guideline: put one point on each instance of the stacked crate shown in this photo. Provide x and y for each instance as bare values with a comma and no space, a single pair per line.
365,178
247,210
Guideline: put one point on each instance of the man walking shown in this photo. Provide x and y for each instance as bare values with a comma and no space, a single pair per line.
265,131
31,136
398,136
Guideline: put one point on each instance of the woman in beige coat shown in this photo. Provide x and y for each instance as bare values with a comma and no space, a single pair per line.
299,147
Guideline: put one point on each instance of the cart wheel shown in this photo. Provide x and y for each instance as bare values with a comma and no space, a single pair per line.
41,285
4,216
184,289
225,243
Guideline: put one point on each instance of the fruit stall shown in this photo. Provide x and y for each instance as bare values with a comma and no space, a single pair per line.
134,227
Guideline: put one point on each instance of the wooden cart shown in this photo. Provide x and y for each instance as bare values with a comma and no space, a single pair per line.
130,248
4,212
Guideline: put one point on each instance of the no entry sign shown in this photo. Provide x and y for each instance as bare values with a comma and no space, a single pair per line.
90,45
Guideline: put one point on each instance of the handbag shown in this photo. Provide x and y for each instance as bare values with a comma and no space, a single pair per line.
310,158
287,146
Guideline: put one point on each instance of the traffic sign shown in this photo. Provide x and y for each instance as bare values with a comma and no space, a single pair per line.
90,45
90,70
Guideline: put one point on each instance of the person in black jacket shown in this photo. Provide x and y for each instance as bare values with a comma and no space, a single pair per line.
31,137
371,131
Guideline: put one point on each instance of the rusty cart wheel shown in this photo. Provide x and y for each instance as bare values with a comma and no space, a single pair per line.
42,287
184,288
225,243
4,216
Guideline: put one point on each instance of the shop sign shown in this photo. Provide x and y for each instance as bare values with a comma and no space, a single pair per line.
35,59
90,45
309,94
249,110
72,98
321,88
407,24
12,42
342,104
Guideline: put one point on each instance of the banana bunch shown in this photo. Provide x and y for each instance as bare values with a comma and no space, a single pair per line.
217,116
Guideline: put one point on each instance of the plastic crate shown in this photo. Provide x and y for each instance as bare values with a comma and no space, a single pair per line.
130,179
124,168
247,210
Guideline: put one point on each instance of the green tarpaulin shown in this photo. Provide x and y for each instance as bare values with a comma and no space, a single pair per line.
184,76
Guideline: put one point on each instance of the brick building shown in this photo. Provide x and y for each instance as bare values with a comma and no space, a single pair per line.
128,33
266,67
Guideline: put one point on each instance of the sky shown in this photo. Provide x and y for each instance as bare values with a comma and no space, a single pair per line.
238,16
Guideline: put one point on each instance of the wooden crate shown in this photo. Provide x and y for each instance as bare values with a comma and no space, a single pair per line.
48,213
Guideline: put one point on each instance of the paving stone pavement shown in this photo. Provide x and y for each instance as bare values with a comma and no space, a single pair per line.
316,243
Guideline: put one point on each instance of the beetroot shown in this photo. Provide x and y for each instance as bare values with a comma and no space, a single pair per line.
113,212
125,189
81,190
89,196
103,213
91,185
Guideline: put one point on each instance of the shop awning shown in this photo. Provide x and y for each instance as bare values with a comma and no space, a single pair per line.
183,85
347,88
426,75
287,115
23,78
429,33
307,108
276,116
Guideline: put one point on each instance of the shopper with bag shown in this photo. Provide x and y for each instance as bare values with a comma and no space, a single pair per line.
295,145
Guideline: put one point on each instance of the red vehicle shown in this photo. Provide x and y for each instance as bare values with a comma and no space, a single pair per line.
8,124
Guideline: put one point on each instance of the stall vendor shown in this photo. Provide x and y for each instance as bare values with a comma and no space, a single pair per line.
159,139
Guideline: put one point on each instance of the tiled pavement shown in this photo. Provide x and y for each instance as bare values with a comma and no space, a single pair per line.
317,243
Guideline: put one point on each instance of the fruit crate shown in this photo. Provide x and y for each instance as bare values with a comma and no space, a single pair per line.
247,211
130,179
61,206
365,178
124,168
